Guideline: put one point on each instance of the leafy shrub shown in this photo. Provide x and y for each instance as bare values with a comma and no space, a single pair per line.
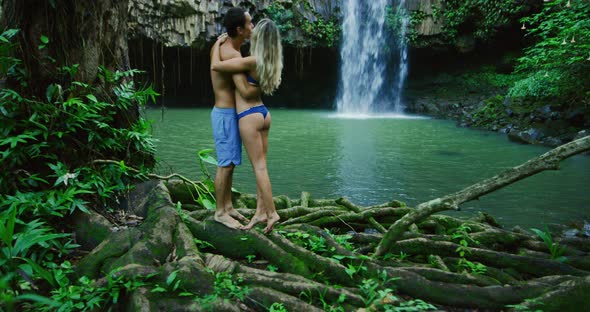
50,150
558,64
482,17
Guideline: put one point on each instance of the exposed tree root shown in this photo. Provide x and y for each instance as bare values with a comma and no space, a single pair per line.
319,258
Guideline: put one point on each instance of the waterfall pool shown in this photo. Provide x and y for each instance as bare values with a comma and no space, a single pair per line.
374,160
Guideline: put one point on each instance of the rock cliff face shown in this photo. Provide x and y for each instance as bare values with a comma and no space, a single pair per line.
194,22
432,22
183,23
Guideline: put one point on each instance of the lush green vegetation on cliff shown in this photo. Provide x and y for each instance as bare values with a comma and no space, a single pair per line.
299,30
557,65
481,18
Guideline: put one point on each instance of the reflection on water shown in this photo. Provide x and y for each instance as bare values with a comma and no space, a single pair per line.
372,161
374,116
358,161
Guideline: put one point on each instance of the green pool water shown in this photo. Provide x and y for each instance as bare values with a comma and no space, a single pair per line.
374,160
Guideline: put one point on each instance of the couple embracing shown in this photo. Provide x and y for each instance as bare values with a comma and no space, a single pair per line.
239,114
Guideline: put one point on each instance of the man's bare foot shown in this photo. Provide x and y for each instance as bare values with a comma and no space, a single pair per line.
273,218
257,218
227,220
237,215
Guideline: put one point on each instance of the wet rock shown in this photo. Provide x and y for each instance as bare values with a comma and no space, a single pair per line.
507,128
530,136
582,134
543,113
552,141
371,231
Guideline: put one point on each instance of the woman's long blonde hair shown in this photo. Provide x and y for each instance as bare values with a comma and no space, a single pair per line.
265,46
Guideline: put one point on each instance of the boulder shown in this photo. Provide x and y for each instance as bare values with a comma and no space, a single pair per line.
530,136
582,134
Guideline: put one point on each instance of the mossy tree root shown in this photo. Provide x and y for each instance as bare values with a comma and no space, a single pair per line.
165,243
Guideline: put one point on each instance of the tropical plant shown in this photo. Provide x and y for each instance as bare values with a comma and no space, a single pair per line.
480,16
226,287
524,307
558,63
85,294
461,234
206,188
277,307
318,32
51,150
553,247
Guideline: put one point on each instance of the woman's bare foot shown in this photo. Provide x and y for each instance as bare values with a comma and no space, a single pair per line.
237,215
257,218
225,219
273,218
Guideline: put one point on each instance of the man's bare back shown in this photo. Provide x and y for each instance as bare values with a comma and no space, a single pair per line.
223,85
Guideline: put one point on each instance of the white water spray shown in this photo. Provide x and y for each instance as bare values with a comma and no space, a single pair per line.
363,87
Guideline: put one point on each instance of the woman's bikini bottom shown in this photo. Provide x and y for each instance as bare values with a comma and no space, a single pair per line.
254,109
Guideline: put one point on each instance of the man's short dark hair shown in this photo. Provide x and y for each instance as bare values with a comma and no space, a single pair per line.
234,18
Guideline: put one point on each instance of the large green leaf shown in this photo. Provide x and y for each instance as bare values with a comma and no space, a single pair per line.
34,234
205,155
7,231
206,202
40,299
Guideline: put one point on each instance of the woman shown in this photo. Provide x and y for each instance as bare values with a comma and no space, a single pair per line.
262,74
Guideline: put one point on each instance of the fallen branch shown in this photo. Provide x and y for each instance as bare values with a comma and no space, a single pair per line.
547,161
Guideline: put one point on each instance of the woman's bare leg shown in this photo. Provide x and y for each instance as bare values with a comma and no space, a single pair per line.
251,128
271,213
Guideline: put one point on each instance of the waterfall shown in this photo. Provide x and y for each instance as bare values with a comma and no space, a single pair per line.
365,87
402,47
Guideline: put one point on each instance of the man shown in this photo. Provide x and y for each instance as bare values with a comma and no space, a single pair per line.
228,145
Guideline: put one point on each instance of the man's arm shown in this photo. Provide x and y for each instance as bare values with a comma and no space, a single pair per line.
246,90
234,63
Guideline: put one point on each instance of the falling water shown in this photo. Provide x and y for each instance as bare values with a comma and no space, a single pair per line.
402,70
364,86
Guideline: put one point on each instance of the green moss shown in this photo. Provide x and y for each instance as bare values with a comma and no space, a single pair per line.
297,29
241,244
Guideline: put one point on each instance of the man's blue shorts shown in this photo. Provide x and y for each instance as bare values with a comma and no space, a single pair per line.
226,133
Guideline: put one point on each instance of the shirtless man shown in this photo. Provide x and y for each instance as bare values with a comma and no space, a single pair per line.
228,144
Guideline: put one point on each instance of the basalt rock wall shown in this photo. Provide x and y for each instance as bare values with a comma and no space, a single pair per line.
196,22
435,23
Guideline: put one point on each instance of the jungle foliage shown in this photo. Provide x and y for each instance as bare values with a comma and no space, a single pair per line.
479,17
558,63
48,146
297,29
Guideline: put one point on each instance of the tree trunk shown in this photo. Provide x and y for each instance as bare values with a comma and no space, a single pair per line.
87,33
